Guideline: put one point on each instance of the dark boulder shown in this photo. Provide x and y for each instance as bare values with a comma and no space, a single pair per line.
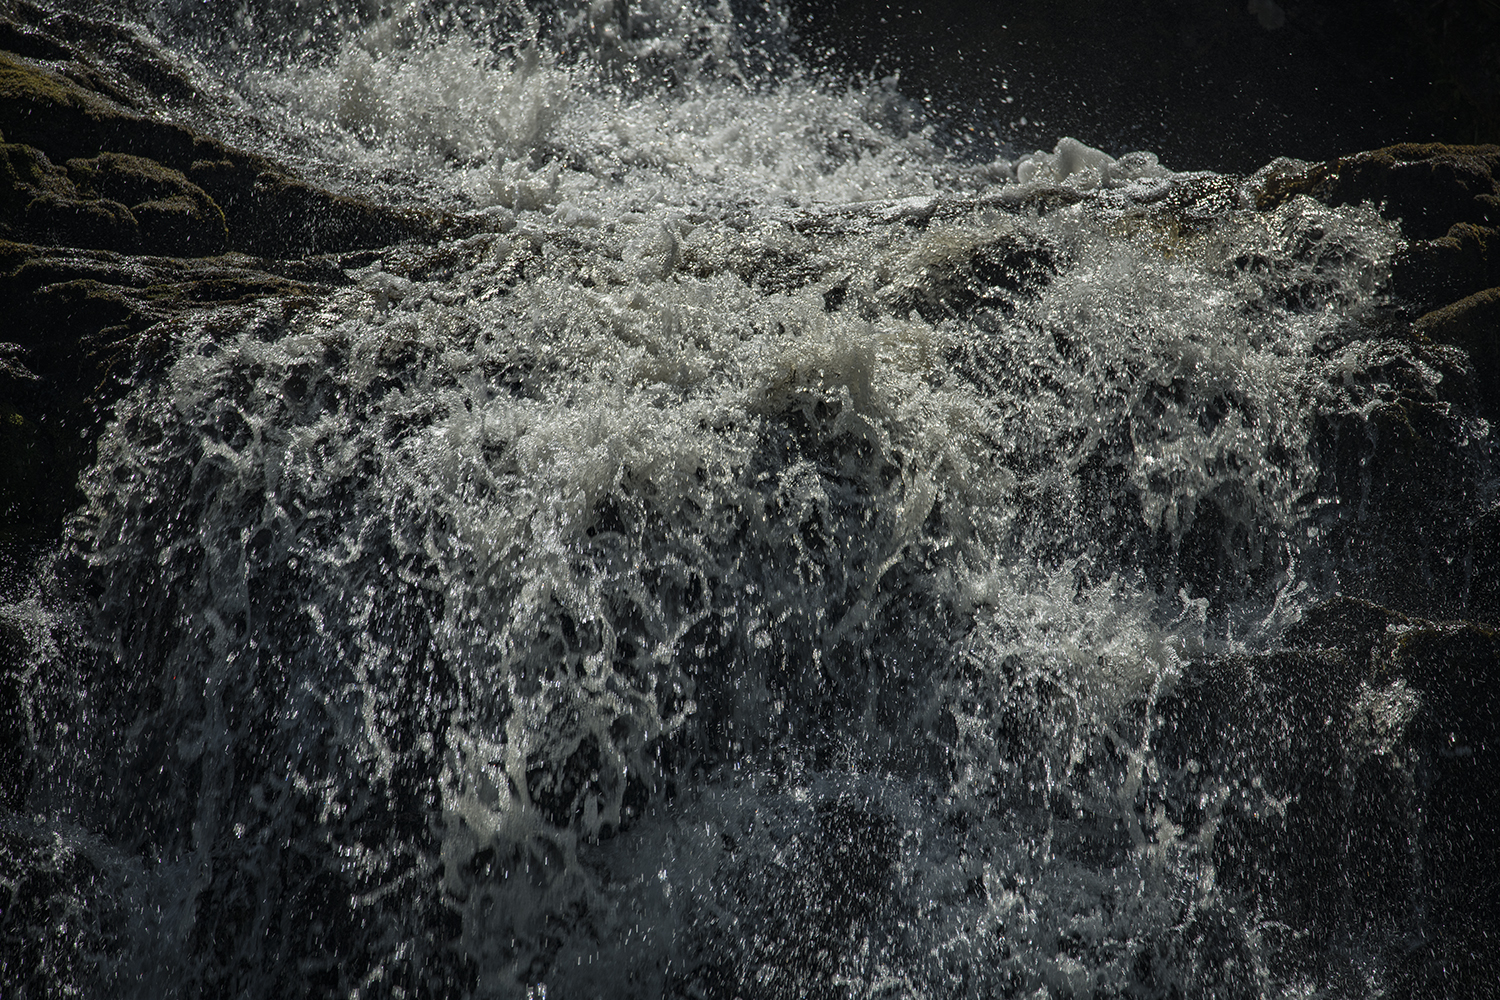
962,278
1428,186
27,41
191,182
80,326
1404,454
110,202
1432,272
176,217
1472,323
1356,776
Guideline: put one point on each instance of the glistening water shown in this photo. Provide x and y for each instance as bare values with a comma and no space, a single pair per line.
749,565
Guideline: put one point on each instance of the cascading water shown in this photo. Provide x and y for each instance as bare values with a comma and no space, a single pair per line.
749,565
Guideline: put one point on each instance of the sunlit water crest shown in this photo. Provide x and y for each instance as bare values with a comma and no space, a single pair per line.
704,581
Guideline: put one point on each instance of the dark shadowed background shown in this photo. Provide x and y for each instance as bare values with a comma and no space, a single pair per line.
1223,85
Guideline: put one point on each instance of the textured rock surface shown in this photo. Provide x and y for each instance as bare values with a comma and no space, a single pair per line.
1361,762
1448,201
1472,323
1464,261
81,325
1429,186
264,209
114,225
112,201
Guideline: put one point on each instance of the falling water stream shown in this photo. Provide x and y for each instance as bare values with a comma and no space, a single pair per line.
748,565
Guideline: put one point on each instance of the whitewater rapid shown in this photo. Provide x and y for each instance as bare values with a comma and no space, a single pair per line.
747,564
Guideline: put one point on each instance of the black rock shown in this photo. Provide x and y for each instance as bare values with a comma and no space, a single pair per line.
1355,777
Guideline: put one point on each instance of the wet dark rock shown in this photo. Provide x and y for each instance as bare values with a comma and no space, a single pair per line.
80,325
1348,624
112,202
993,274
99,51
1355,776
1466,260
265,210
1472,323
176,217
1402,445
27,41
1428,186
17,730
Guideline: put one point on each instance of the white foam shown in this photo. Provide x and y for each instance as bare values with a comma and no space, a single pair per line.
671,486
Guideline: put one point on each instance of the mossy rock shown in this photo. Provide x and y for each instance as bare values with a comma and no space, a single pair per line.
112,201
63,221
1472,323
26,173
1428,186
276,215
83,325
264,210
176,217
47,110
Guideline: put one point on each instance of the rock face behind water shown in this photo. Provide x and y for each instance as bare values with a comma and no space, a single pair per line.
1448,201
1353,771
91,164
115,222
1361,765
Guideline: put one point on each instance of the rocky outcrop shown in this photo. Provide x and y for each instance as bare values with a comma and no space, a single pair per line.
1464,260
116,222
112,201
184,185
1472,323
1428,186
1448,201
81,325
1400,465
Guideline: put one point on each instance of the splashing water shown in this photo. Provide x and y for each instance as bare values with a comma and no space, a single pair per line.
747,567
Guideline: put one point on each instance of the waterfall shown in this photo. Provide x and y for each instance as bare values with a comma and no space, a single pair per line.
761,549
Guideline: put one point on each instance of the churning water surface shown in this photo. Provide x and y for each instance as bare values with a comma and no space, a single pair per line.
746,566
